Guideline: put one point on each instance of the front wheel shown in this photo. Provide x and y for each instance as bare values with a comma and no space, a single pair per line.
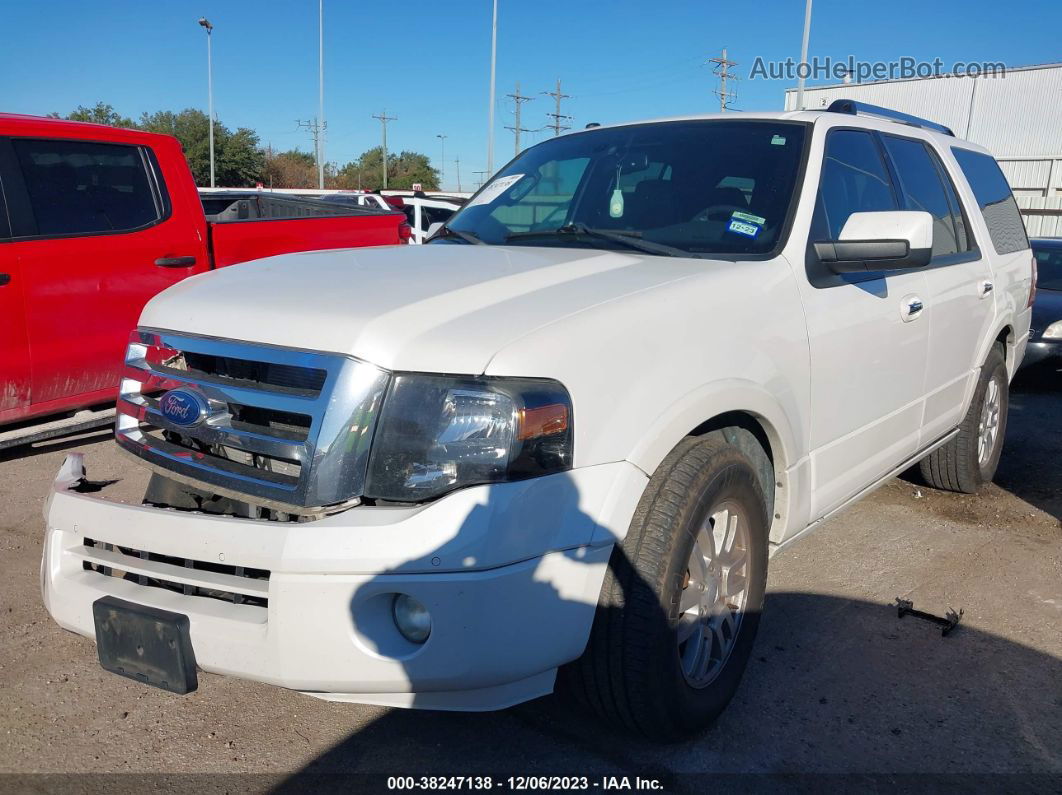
970,460
682,598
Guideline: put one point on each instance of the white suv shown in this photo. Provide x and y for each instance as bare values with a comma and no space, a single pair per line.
563,438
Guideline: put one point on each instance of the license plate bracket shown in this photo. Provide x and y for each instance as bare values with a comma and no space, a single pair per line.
144,643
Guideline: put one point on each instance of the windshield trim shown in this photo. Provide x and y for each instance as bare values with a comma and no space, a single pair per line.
724,256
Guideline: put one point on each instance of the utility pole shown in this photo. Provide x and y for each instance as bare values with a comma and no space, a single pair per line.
490,114
210,91
518,99
384,118
803,56
320,95
722,69
442,160
317,131
558,126
457,162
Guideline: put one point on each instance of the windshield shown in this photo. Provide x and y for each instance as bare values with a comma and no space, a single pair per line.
1048,267
667,188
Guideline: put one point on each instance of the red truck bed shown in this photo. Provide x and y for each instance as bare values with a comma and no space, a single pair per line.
94,221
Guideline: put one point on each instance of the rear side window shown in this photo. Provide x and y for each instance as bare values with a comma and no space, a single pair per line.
922,187
79,187
995,199
854,180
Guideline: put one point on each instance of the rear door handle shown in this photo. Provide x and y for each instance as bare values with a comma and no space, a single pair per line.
986,288
175,262
4,278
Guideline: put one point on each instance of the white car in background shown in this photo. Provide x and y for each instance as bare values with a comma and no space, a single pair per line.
564,437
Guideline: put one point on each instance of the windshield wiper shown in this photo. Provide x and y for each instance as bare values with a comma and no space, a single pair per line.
468,237
629,239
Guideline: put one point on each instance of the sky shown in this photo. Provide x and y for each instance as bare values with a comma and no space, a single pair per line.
428,63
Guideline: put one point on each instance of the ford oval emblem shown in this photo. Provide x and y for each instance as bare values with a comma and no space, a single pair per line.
184,407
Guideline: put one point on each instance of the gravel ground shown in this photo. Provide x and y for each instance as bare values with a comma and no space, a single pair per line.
837,684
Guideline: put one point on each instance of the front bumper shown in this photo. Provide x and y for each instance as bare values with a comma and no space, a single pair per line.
511,574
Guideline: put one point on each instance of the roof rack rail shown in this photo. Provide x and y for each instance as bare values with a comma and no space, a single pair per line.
851,107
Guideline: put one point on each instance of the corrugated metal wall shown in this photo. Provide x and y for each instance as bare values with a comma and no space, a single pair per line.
1016,116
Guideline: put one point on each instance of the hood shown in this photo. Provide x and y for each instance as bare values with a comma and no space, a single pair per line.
434,308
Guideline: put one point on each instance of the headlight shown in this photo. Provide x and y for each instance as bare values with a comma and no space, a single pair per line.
1054,331
438,433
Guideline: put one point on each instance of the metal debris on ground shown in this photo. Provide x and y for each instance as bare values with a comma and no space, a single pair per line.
950,620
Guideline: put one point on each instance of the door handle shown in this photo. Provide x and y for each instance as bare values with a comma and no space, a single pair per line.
986,288
175,262
911,308
4,278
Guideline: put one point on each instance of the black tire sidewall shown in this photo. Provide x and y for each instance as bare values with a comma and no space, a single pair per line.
689,708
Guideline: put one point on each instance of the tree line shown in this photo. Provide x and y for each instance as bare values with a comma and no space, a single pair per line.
240,160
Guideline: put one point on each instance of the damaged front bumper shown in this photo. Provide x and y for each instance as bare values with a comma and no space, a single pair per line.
511,575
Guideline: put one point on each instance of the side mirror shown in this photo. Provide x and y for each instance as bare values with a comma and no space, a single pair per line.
889,240
432,230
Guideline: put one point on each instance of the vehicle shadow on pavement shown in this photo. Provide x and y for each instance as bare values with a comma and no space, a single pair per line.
1034,437
833,686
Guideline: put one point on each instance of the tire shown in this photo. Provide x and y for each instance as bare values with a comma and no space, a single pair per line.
632,673
962,464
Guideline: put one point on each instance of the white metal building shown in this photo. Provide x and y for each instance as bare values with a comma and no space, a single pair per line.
1017,116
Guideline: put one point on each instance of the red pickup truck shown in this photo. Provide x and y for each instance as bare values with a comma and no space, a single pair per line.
94,221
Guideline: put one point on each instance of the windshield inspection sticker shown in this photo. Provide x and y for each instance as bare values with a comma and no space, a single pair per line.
495,189
741,228
778,140
752,219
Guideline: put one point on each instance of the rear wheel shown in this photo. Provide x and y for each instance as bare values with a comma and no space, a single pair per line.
970,460
682,598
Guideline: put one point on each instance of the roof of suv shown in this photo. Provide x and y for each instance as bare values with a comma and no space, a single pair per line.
817,116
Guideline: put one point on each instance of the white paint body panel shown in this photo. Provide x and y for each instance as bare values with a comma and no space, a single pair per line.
649,348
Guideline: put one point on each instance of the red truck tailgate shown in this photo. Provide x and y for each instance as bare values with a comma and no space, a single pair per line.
240,241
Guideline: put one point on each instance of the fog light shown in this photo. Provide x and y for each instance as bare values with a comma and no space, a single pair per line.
411,617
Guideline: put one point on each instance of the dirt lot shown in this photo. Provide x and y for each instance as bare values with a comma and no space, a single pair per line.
837,684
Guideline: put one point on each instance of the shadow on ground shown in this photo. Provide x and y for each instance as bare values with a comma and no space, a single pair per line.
834,685
1034,436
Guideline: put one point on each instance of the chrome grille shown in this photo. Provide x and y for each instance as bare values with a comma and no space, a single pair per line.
284,429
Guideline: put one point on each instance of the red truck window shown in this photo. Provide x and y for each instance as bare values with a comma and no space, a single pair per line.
80,187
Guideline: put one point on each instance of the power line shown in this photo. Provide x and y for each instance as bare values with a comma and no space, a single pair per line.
518,99
722,70
316,131
559,118
482,178
384,118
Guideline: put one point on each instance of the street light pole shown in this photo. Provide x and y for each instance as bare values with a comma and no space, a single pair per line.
801,69
320,98
210,93
442,161
493,61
